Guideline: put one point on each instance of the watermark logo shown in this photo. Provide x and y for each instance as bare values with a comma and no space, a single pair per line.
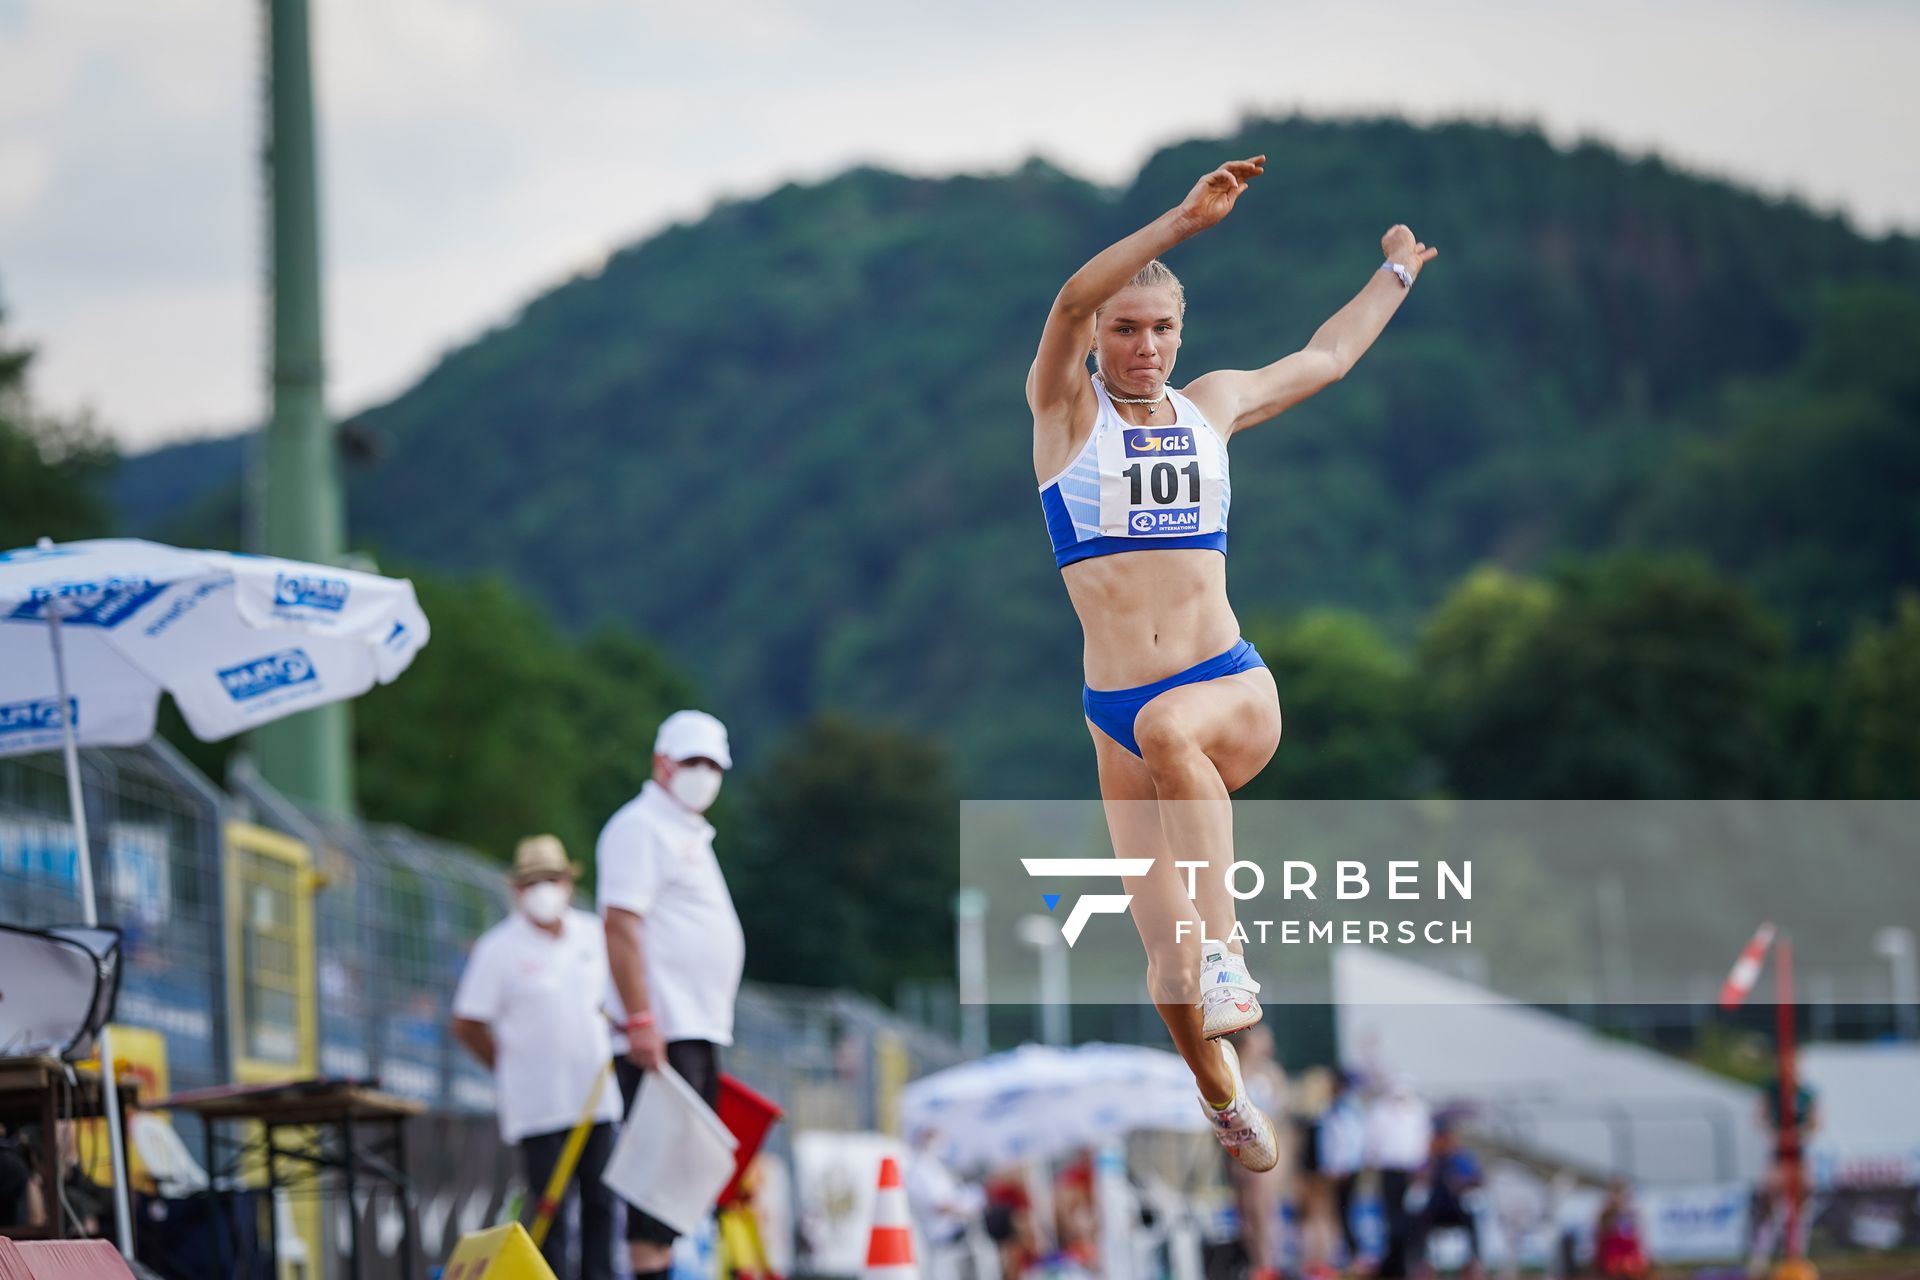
1158,442
1092,904
264,675
35,715
1167,520
310,591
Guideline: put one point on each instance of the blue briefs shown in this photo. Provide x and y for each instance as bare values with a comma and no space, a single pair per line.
1113,710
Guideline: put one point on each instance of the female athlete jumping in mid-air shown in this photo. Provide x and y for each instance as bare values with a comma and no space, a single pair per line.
1181,709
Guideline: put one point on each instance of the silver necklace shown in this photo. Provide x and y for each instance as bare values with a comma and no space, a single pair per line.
1153,404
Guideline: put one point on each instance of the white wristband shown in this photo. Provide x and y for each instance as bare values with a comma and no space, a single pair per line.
1400,273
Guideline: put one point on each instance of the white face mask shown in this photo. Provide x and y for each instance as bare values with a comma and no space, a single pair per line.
695,786
545,902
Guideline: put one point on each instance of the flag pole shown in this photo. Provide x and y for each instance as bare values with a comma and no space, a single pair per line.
1792,1157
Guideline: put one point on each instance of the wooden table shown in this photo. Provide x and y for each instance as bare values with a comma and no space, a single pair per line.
42,1091
361,1132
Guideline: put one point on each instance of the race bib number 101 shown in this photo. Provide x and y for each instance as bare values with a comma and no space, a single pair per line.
1160,482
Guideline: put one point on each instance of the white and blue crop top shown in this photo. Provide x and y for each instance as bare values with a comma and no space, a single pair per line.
1140,488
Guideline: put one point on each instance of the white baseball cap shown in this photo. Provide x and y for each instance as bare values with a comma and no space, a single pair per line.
686,734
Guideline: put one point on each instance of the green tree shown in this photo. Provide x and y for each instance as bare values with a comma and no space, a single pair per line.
501,728
1802,484
847,860
620,689
1644,679
1469,647
1876,710
823,462
1347,720
51,470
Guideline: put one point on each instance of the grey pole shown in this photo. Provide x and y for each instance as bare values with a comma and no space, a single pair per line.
970,916
1895,945
83,854
299,513
1043,935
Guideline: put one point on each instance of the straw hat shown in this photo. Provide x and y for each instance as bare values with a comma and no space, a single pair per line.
538,857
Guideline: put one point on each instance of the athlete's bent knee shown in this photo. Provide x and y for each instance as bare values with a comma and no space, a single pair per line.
1166,743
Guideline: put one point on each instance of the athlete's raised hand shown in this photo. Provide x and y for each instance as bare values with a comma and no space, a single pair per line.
1212,197
1400,246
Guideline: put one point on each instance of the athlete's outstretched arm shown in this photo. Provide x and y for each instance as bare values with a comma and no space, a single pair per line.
1246,398
1058,378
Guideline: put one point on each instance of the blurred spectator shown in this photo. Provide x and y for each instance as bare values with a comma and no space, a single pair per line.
1009,1220
19,1189
1343,1154
942,1205
1399,1140
90,1203
1786,1178
1313,1205
1258,1196
1453,1173
528,1007
1076,1223
1617,1252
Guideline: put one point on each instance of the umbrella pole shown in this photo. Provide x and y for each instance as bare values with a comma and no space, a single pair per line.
83,855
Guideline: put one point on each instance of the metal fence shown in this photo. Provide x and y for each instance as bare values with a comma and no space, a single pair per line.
393,916
155,826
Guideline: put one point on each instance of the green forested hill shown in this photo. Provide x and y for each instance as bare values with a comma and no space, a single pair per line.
788,441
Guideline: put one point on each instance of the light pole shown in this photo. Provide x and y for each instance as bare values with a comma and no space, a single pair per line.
970,918
1894,944
298,512
1043,935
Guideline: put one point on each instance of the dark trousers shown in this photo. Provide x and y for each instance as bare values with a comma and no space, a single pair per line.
1343,1189
539,1153
1393,1207
698,1063
1444,1208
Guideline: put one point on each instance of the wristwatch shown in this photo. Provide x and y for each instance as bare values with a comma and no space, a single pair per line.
1400,273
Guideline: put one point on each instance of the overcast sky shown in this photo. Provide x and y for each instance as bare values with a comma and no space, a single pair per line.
475,152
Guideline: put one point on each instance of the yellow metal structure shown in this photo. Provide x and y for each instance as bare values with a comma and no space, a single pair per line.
891,1068
271,1001
742,1254
270,986
500,1253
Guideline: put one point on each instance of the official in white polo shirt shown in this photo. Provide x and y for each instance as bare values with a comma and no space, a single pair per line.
528,1006
673,941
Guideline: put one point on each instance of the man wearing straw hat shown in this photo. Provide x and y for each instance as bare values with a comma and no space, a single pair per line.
673,938
528,1007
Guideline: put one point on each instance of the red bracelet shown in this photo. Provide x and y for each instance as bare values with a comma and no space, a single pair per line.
639,1022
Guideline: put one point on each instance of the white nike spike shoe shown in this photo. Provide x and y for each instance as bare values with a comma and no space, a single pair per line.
1229,999
1243,1129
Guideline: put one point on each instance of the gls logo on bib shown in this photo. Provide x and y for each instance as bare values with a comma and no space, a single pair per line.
1158,442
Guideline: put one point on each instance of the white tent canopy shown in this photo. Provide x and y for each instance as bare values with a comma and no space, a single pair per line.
1036,1103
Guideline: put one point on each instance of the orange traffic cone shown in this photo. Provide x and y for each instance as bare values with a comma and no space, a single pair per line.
890,1243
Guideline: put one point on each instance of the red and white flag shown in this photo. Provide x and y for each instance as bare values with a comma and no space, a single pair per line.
1746,970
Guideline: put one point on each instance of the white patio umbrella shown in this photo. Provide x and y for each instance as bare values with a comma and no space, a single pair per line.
1038,1102
91,634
